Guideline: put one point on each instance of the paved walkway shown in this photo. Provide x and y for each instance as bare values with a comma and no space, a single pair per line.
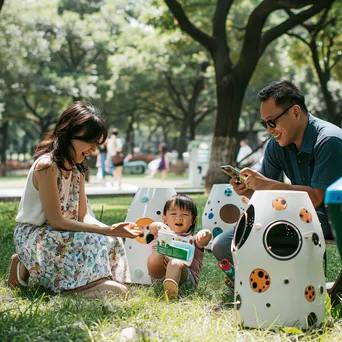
13,189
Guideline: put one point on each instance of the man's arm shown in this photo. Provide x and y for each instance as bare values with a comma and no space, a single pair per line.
316,195
256,181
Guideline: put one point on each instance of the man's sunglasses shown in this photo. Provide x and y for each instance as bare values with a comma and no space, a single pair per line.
272,123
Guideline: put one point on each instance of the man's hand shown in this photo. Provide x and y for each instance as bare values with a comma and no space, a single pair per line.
239,188
125,230
254,180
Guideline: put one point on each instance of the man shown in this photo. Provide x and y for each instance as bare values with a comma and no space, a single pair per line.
308,150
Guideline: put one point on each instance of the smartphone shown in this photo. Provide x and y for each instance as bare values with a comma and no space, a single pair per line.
232,172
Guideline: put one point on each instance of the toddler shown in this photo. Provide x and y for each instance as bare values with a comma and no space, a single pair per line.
179,215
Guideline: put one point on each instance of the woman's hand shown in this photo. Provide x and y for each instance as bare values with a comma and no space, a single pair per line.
125,230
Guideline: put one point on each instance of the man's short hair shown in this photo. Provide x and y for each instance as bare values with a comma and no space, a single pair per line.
284,93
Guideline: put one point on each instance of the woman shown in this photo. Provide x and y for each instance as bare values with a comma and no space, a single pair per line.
57,242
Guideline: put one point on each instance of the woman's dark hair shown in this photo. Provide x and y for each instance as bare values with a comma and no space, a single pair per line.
183,201
79,117
284,93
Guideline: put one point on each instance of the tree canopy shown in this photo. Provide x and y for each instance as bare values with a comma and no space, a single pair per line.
163,70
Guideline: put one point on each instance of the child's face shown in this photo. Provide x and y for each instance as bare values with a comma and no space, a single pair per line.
179,220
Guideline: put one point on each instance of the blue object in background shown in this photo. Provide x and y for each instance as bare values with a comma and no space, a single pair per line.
333,203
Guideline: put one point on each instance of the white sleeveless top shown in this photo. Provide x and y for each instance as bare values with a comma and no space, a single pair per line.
30,207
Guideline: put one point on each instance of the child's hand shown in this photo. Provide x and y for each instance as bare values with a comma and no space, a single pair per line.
166,261
203,237
154,227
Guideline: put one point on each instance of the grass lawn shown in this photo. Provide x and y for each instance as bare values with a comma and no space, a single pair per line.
203,314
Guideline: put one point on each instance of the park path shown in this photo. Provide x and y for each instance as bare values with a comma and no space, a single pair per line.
13,188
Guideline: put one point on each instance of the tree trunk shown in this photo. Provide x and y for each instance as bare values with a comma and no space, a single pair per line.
129,148
324,77
331,106
165,135
3,145
225,142
196,92
220,156
181,148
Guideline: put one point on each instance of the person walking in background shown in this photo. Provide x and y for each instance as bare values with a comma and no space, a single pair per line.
244,151
115,157
164,164
102,149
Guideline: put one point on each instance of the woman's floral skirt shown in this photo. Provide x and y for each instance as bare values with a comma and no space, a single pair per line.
64,260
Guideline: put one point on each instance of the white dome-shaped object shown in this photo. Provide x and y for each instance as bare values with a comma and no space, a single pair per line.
147,206
278,250
223,209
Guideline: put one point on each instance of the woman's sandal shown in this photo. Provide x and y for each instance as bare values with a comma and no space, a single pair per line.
14,279
170,288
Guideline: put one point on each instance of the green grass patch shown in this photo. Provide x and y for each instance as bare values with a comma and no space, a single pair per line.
203,314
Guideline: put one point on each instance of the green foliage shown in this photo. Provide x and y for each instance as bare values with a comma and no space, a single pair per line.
117,53
82,7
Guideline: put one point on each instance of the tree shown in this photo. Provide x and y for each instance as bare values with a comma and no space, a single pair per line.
50,60
232,77
20,46
320,37
171,91
187,103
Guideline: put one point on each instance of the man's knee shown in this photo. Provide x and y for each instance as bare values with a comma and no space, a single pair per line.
221,246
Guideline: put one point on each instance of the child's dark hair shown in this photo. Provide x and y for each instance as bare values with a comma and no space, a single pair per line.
183,201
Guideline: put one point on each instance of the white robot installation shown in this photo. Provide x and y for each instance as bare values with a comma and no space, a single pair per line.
278,250
147,206
223,209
